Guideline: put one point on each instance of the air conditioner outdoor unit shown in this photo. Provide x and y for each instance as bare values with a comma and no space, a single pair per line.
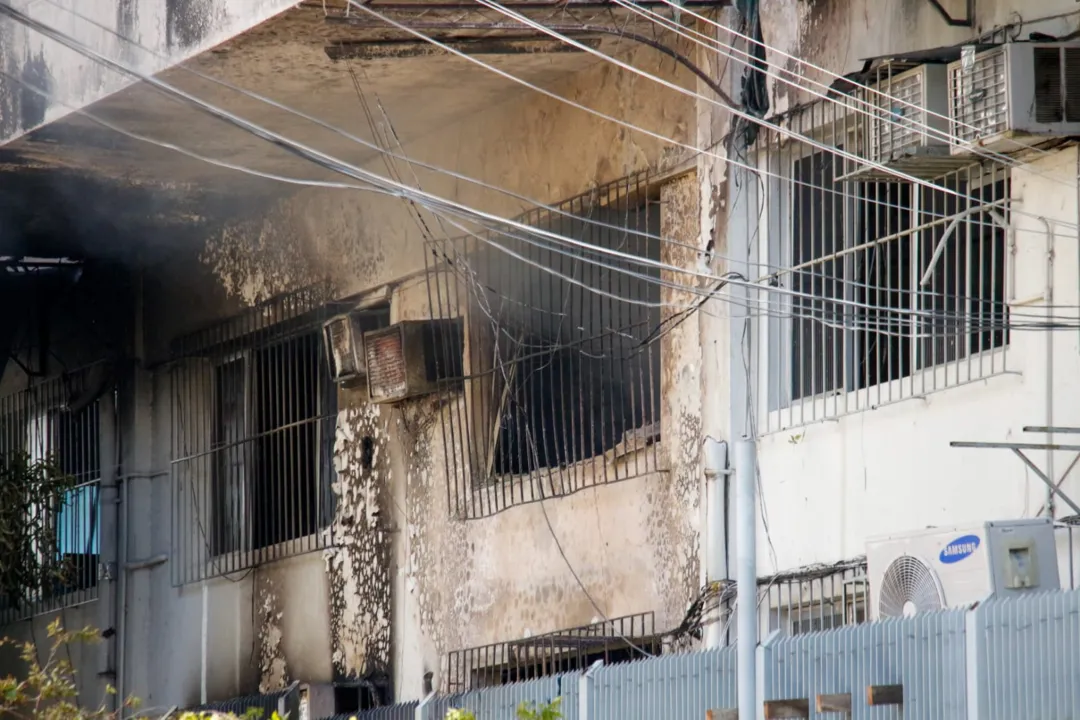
411,358
1014,96
957,566
909,123
344,341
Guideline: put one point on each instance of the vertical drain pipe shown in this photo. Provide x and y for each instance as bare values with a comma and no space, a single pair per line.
204,641
716,565
746,579
109,536
1048,298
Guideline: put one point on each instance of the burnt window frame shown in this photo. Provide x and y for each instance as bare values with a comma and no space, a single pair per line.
202,552
625,442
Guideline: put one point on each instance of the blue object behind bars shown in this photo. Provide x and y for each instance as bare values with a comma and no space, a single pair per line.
78,522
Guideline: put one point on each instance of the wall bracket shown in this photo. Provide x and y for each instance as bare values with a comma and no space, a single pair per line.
968,21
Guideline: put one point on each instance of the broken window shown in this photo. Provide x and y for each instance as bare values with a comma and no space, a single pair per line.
613,641
897,288
254,413
563,385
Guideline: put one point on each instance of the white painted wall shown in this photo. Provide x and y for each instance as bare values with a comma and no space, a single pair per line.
827,487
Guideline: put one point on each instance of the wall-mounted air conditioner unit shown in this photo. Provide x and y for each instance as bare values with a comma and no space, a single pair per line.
344,341
1016,95
908,108
953,567
412,357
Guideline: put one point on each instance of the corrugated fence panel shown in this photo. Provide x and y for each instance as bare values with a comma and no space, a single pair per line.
1029,657
673,687
501,702
926,654
402,711
283,702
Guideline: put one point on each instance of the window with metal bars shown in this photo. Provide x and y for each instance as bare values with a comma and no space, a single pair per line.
52,422
254,411
562,387
897,289
622,639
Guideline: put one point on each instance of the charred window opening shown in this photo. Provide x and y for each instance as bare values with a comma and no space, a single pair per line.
254,410
266,484
562,385
614,641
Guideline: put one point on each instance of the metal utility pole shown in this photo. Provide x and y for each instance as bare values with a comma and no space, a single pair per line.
746,575
716,565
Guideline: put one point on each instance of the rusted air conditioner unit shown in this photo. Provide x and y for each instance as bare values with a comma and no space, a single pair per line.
1014,96
344,342
412,358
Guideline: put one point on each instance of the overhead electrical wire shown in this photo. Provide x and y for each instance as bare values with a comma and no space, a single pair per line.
708,152
459,176
893,100
705,293
738,112
335,164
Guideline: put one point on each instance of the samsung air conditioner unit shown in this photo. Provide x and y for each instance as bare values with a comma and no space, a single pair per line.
413,358
908,123
343,338
954,567
1014,96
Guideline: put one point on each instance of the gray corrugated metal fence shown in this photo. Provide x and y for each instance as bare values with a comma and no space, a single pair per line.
675,686
925,654
401,711
501,702
1008,658
1029,657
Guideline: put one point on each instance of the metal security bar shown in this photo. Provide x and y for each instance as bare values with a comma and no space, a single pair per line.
54,425
253,411
890,289
562,374
616,640
813,599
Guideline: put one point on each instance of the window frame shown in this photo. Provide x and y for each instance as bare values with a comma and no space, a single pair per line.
774,360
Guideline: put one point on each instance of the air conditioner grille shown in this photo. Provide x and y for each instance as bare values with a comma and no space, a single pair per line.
896,129
979,97
1072,84
1048,100
908,585
341,347
387,374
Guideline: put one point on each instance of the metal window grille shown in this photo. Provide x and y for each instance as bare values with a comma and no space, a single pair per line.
810,599
562,375
623,639
892,290
57,422
253,422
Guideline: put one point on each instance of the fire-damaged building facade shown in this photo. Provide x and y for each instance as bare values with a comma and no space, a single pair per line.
355,446
392,347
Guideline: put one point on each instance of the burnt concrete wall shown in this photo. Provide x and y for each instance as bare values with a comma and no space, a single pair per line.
176,29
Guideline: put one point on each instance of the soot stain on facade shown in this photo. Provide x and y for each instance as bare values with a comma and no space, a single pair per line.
359,563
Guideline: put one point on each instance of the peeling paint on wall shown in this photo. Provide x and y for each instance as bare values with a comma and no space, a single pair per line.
255,261
273,670
359,562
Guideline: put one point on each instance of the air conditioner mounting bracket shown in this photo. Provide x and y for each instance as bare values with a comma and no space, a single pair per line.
967,21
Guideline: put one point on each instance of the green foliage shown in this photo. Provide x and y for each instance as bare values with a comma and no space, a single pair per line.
31,493
525,711
49,691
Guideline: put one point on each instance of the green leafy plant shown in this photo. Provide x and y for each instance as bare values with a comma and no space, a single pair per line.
49,691
31,495
525,711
